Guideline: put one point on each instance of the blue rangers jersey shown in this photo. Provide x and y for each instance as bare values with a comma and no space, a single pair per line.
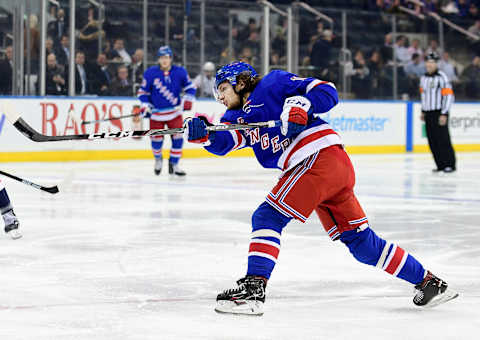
162,89
272,149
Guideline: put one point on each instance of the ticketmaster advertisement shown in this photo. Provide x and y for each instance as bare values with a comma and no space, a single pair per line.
362,123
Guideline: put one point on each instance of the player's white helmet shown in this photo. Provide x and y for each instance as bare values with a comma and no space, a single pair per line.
209,67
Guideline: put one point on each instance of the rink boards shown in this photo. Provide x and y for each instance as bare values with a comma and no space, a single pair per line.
365,126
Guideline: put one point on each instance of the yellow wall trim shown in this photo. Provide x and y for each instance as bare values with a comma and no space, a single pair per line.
457,147
102,155
362,149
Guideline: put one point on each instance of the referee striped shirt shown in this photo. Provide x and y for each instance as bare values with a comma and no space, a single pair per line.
436,92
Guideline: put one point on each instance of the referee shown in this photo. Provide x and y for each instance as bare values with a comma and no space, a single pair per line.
437,98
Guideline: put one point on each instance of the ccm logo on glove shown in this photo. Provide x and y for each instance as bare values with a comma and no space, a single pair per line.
294,116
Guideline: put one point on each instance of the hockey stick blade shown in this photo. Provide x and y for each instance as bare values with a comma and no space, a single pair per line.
51,190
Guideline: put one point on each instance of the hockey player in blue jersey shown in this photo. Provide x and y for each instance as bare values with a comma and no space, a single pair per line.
160,96
317,175
11,221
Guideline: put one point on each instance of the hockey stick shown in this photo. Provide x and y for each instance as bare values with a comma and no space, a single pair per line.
35,136
51,190
85,122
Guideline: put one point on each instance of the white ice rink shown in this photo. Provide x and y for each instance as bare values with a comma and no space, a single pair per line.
122,254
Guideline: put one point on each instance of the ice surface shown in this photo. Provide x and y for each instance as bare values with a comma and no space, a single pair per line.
122,254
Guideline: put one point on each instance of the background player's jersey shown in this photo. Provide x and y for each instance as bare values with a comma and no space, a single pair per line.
271,147
162,90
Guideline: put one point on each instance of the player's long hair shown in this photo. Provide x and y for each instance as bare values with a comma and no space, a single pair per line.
250,84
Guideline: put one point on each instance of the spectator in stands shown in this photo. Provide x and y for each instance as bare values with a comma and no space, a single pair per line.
34,53
82,84
100,77
321,54
121,86
415,48
319,31
433,48
58,27
475,28
471,79
386,50
360,76
247,56
275,60
63,51
49,46
450,7
446,66
225,56
375,5
247,31
279,42
89,35
375,65
176,28
135,71
119,54
55,83
6,72
431,6
473,13
414,70
401,51
52,14
253,42
205,81
462,6
384,5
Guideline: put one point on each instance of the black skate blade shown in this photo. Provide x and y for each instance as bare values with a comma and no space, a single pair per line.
442,298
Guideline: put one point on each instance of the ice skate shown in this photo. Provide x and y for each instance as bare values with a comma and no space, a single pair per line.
158,166
174,169
432,291
247,298
12,230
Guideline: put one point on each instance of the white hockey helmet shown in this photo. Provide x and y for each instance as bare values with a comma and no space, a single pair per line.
209,67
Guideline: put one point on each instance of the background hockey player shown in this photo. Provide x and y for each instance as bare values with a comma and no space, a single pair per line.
205,81
11,221
160,96
317,175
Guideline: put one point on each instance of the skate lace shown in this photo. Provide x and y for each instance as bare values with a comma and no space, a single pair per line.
419,295
237,290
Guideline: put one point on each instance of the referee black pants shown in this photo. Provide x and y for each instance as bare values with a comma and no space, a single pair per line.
439,141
